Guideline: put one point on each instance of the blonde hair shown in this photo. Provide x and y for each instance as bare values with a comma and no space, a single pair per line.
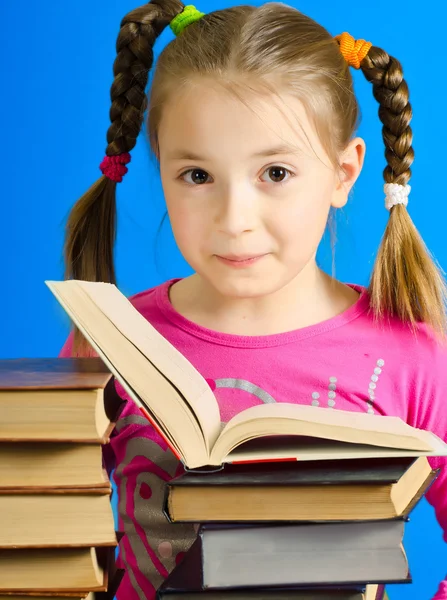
271,48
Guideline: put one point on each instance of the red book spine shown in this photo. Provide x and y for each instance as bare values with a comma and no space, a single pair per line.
262,460
145,413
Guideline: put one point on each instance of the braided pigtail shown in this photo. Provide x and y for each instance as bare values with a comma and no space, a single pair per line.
405,281
91,225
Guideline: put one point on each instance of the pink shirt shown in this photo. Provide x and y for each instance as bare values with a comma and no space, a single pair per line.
347,362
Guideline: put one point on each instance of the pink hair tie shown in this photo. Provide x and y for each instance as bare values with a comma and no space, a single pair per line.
113,166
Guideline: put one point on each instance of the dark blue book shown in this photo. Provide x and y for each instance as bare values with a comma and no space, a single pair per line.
357,489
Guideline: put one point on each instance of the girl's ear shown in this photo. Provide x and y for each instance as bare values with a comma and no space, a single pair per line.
351,163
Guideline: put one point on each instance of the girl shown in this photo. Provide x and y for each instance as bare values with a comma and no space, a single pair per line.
252,118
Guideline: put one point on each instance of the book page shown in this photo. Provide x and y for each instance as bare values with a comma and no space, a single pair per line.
295,448
294,419
142,381
162,354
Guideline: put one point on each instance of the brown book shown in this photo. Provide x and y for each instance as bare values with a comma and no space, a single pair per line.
51,570
30,595
28,465
46,596
182,407
322,491
56,518
105,560
57,399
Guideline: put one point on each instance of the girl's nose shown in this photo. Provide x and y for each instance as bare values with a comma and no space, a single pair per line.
237,210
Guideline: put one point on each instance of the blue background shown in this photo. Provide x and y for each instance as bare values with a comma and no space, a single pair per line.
56,69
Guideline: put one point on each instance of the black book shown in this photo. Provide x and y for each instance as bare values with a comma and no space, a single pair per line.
185,583
329,594
299,555
357,489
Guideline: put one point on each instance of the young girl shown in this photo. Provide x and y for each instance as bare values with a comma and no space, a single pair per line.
252,117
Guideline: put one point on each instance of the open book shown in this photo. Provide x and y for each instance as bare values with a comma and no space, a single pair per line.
179,403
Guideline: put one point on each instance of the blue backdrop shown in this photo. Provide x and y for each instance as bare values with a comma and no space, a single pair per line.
56,75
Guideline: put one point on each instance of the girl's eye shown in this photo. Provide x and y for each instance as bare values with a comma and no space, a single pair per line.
198,176
278,174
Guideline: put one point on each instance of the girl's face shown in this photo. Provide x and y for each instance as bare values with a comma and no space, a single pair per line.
248,183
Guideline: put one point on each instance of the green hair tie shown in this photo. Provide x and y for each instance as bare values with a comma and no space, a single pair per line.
189,15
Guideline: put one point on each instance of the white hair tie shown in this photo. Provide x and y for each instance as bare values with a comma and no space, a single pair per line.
395,193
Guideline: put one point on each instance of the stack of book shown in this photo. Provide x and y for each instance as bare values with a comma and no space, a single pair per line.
294,502
57,531
337,524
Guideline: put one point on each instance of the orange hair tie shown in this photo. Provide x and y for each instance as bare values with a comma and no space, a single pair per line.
353,51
